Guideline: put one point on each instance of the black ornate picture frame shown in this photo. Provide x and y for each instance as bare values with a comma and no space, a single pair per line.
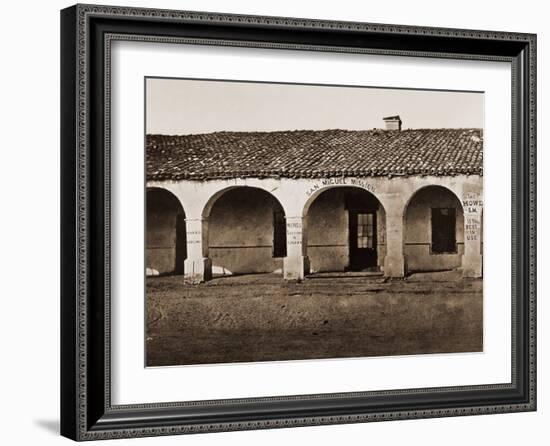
87,32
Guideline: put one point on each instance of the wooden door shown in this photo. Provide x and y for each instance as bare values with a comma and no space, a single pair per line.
362,243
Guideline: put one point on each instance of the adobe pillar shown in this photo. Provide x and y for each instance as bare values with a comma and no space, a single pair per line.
394,263
472,260
197,265
295,264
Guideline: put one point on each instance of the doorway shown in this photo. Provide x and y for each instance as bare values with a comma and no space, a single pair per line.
362,240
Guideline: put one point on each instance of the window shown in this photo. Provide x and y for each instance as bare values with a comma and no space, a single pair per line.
279,234
365,230
443,230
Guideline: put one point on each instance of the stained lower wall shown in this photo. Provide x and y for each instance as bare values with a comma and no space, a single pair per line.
418,231
161,238
160,260
240,233
328,232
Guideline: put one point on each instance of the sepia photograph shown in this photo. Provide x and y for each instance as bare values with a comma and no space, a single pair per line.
305,222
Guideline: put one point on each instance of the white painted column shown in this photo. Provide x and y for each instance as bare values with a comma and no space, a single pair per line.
472,260
197,266
394,264
295,264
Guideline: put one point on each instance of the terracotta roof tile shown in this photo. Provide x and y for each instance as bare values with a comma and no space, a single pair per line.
315,154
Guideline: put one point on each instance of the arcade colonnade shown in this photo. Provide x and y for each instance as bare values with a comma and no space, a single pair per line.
397,196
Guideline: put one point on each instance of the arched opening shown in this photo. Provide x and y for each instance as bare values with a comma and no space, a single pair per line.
166,247
434,230
346,231
246,232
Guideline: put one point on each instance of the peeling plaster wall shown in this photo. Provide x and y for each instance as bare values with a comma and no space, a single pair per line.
240,234
418,231
160,251
328,232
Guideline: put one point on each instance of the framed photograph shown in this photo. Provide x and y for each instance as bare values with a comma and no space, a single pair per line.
272,222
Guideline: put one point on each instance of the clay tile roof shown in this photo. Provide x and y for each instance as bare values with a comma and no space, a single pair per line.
315,154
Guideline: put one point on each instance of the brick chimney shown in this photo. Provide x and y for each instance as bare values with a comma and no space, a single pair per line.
393,122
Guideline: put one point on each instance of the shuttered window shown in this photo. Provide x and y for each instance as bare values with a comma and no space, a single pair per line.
279,234
443,230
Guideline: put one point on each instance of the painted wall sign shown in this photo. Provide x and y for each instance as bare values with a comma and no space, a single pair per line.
340,181
472,203
473,207
294,231
194,237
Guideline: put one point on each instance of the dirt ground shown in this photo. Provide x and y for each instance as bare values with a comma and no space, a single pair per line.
262,318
